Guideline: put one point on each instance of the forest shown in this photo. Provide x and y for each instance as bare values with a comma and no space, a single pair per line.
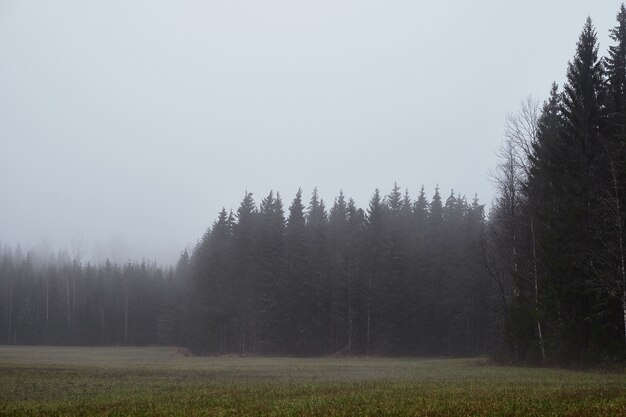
401,277
539,279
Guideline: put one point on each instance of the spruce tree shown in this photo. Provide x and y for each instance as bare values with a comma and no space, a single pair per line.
296,318
358,280
613,277
270,269
342,293
245,234
318,284
577,179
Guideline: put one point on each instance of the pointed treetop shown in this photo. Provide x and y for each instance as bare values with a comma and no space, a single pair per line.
615,65
582,101
351,205
406,200
475,200
375,200
247,207
451,194
585,62
549,120
317,211
278,207
267,204
221,227
420,208
341,199
339,210
183,261
436,206
375,209
296,213
394,199
619,31
355,214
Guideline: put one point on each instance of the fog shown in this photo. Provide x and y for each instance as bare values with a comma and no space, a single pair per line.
126,126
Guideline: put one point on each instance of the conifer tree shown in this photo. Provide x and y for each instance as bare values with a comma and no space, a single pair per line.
577,179
358,323
245,233
318,284
342,292
294,295
614,278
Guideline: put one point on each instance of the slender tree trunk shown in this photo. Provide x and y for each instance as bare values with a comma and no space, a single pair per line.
74,294
536,282
367,346
47,302
514,234
68,309
468,337
126,319
10,303
333,314
223,338
349,323
448,332
101,324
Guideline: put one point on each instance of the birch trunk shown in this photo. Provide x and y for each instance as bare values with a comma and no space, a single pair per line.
536,279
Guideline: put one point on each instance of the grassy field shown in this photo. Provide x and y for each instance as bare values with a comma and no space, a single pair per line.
50,381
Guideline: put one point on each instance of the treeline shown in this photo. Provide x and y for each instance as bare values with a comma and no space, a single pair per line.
400,277
557,232
59,301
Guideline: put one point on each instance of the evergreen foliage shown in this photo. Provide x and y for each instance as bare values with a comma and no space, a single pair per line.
353,282
395,279
556,233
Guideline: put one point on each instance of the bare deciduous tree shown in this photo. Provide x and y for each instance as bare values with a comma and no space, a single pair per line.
512,174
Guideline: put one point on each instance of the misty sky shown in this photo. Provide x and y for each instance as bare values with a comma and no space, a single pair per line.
131,123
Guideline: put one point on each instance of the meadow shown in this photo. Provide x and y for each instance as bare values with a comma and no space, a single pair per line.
116,381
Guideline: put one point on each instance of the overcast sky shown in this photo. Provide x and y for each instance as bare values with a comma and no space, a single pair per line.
134,122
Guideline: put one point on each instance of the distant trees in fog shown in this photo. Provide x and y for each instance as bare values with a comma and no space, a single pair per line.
400,277
61,301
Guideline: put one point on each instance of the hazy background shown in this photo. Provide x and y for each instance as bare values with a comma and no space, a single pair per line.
126,125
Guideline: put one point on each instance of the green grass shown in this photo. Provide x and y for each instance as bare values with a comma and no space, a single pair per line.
51,381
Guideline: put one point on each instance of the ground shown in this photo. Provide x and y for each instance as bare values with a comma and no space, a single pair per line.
59,381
